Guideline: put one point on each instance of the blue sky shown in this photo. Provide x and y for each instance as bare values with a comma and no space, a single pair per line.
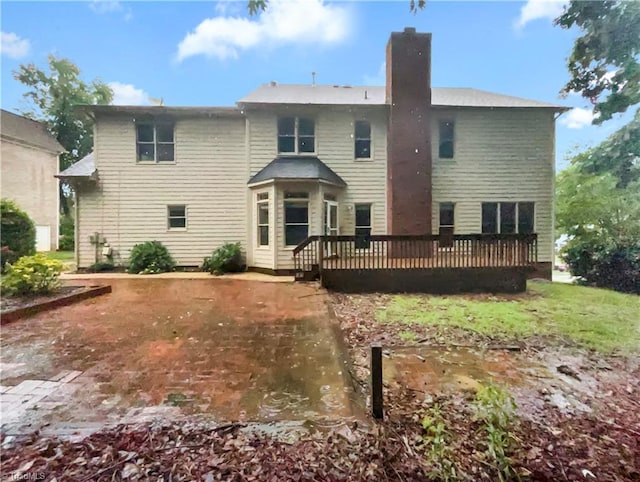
213,53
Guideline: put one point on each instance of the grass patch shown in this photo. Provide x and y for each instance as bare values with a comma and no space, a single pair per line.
408,335
64,256
600,319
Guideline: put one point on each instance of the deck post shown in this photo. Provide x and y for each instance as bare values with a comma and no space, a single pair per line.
376,380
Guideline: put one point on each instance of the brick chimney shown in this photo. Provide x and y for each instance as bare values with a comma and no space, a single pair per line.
408,93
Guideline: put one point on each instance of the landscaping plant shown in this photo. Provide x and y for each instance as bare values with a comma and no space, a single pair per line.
495,410
17,233
437,442
32,275
150,257
67,236
226,259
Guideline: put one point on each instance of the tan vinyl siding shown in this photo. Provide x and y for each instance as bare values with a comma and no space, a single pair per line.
499,155
208,176
334,132
28,179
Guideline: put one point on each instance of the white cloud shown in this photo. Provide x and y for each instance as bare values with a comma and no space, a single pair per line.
577,118
536,9
110,6
379,78
127,94
13,46
284,22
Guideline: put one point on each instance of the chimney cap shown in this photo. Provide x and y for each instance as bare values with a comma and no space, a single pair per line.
409,30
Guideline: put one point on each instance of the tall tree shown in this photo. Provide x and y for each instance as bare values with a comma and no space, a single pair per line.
604,63
53,95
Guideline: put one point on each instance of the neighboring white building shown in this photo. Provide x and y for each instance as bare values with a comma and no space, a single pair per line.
29,160
291,161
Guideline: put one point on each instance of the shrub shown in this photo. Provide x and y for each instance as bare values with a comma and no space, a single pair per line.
17,232
101,266
226,259
7,256
67,236
149,258
32,275
613,266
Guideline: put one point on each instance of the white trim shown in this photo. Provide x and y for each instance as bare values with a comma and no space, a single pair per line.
169,217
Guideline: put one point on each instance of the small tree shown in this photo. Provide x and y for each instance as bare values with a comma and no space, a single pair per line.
17,232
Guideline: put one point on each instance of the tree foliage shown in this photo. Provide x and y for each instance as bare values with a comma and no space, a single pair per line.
604,63
52,96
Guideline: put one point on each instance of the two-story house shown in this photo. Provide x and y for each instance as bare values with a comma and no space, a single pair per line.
29,157
291,161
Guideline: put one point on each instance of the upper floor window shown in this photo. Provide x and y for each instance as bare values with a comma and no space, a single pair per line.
445,149
155,142
508,218
363,139
296,135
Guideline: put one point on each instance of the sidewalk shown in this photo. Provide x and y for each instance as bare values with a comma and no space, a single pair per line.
248,276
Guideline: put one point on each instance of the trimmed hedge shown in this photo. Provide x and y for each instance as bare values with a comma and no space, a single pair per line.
150,257
226,259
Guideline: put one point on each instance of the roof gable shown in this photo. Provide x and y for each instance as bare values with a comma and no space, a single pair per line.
22,129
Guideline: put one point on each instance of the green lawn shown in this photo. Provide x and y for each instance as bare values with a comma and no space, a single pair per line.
596,318
64,256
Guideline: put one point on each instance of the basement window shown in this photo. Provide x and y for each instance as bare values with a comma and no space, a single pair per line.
155,142
446,140
177,217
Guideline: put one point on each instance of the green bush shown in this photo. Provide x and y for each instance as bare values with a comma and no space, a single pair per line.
32,275
17,232
101,266
226,259
613,266
149,258
67,234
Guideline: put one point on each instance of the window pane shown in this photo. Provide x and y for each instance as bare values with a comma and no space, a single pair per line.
176,211
286,126
363,238
177,222
363,149
363,130
286,144
526,216
507,218
306,127
263,236
262,196
165,152
447,214
306,144
164,132
446,140
295,234
296,212
489,218
263,213
363,215
146,152
145,132
329,196
446,236
296,195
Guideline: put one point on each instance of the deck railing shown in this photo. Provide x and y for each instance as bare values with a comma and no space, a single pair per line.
415,252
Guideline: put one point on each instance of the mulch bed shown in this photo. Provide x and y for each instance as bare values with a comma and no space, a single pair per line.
14,302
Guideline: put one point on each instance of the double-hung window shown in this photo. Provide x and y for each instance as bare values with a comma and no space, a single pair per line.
177,217
296,135
363,225
155,142
508,217
296,217
445,145
362,139
263,218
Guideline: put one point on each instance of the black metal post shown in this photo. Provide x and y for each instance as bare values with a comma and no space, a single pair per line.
376,380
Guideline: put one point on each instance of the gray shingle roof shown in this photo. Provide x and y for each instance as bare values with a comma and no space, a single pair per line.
375,95
22,129
85,167
297,167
